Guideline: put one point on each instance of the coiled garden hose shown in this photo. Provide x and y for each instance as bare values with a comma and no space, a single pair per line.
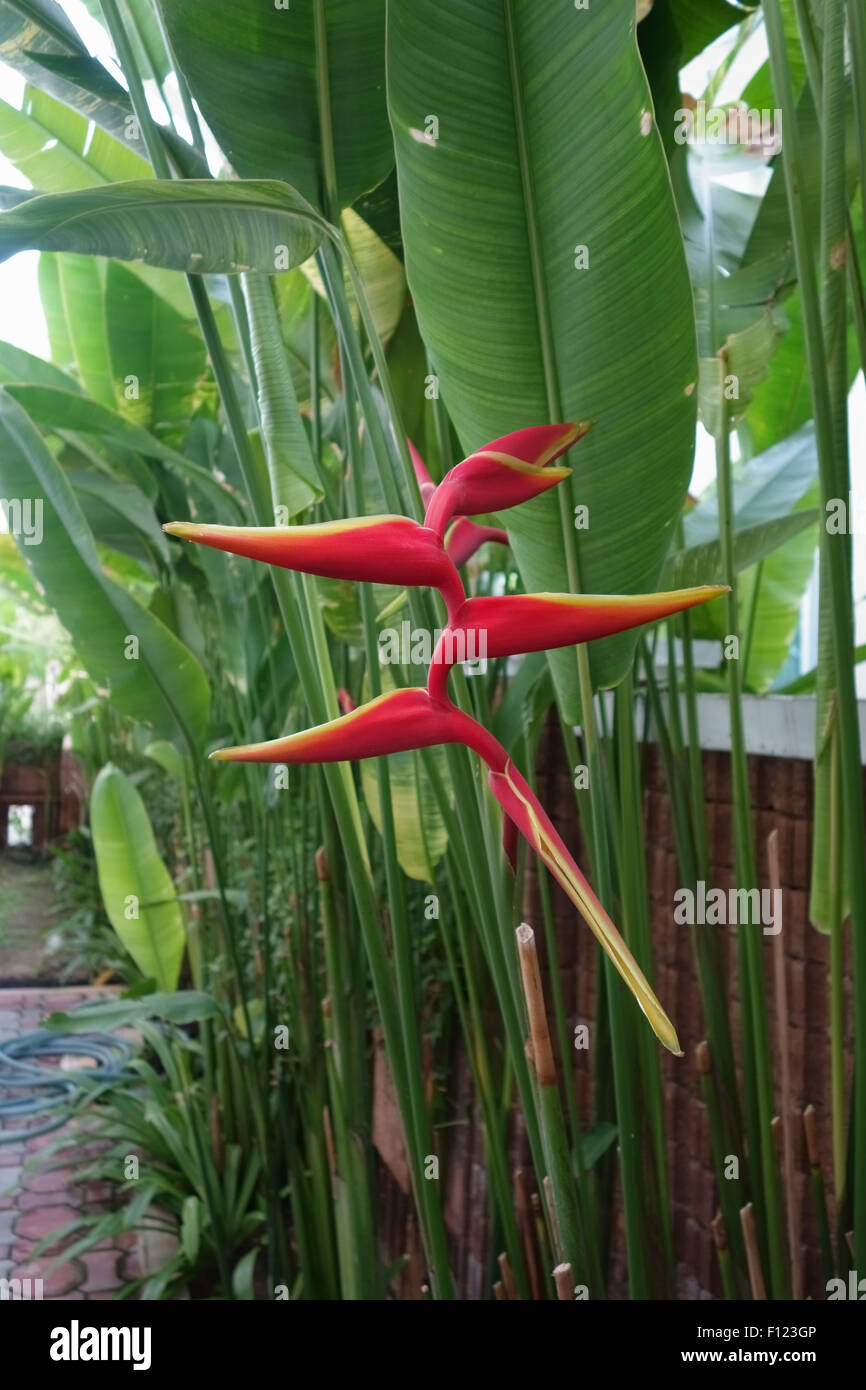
55,1089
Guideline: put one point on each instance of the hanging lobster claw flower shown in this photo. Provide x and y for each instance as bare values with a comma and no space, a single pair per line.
522,807
504,473
375,549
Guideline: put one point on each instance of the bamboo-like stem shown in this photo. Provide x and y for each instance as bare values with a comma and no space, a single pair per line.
634,899
837,983
723,1255
499,1292
753,1254
787,1102
730,1189
471,1016
563,1198
563,1279
542,1236
524,1221
553,1223
819,1194
507,1275
542,1051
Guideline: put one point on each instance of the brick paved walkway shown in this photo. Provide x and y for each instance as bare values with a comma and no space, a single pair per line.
34,1203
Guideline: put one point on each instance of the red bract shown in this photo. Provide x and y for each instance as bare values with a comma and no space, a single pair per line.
395,550
504,473
518,623
392,723
375,549
465,537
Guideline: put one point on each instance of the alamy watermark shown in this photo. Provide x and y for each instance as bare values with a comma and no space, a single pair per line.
410,646
713,907
729,125
846,518
20,1290
21,517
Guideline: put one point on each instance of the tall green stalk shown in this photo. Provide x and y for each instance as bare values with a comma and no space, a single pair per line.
833,471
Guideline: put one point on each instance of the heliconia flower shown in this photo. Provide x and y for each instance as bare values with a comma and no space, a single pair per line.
465,537
397,550
522,806
504,626
376,549
504,473
405,719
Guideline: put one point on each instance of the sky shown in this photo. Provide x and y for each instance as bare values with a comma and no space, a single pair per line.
22,321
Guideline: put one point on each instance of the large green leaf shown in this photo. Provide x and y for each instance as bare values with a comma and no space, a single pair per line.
201,226
702,563
765,487
184,1006
119,515
771,599
78,325
253,70
163,685
699,22
20,366
49,54
55,405
533,159
52,409
139,896
39,155
158,359
775,496
53,306
380,271
97,156
110,321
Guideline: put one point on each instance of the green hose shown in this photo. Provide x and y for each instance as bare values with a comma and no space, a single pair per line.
55,1090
